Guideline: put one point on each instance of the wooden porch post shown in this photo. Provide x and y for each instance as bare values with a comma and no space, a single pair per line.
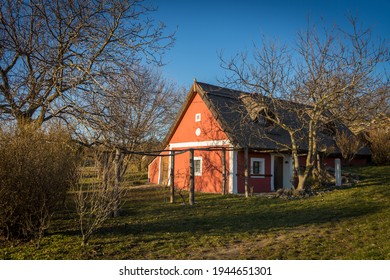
246,172
172,179
192,178
223,171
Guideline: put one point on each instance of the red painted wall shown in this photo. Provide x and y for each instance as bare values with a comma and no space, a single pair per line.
259,184
209,127
211,179
153,170
329,161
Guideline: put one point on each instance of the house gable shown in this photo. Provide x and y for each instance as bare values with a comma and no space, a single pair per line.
196,123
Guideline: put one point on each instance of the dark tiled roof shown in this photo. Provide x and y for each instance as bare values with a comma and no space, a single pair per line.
237,122
231,110
235,114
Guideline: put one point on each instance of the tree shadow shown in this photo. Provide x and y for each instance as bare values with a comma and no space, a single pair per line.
197,220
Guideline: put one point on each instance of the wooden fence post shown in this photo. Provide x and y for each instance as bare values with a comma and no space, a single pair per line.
172,175
192,178
246,171
117,169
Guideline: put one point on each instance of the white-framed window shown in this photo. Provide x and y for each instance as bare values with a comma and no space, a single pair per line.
198,117
257,167
198,166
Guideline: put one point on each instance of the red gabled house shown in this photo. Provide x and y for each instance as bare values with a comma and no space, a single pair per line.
213,118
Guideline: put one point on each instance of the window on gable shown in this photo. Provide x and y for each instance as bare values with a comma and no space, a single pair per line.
258,167
198,117
198,166
263,120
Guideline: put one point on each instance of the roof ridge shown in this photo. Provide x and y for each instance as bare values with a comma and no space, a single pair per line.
220,88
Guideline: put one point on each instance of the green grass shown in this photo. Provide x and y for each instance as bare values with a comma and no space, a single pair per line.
345,223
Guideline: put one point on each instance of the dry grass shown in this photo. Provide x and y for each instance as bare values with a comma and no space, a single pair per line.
345,223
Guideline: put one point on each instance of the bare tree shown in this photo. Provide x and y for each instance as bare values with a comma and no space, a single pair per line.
52,51
133,106
129,110
307,88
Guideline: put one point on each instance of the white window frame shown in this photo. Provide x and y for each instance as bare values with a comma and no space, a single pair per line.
262,167
199,172
198,117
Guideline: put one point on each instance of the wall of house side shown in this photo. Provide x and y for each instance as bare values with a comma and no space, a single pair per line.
154,171
210,178
198,129
357,161
259,183
329,161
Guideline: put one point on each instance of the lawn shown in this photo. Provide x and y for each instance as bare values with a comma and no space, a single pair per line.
346,223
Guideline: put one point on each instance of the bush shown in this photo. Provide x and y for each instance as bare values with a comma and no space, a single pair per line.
36,170
380,146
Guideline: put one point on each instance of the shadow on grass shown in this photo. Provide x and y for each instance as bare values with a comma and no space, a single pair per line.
199,220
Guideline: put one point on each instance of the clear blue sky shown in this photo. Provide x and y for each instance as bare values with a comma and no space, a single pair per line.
204,28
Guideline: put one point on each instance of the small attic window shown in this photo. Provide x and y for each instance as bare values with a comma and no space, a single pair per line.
198,117
262,119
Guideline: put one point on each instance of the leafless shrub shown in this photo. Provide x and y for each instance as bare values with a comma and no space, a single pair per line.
98,200
36,170
380,145
348,144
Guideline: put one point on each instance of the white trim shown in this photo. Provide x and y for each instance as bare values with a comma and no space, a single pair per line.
235,186
212,143
261,171
201,167
233,172
198,117
287,172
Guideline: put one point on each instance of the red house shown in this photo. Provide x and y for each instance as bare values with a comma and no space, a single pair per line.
218,123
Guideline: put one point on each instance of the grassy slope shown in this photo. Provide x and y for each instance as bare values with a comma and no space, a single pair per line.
351,223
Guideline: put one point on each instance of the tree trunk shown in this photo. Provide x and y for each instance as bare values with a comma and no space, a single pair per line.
105,168
301,182
295,157
26,121
117,169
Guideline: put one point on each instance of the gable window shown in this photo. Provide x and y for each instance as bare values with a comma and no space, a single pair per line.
198,166
198,117
257,167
